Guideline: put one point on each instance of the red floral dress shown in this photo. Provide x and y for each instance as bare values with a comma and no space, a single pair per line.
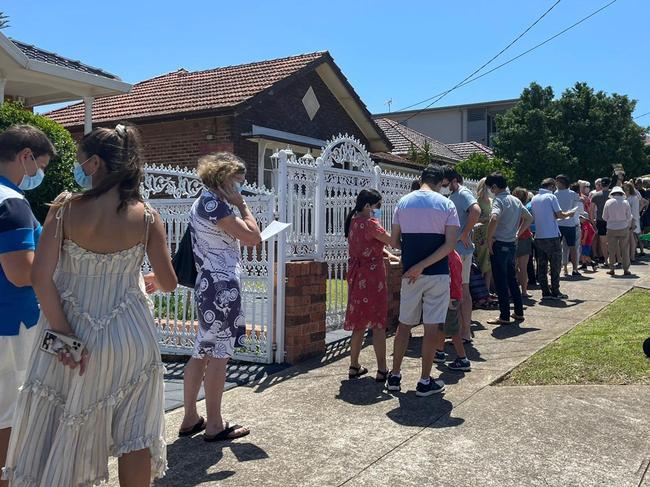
367,291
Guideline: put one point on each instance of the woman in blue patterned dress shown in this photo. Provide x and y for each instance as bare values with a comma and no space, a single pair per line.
216,235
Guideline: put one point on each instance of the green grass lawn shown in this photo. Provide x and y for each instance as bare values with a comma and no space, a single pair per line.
605,349
337,294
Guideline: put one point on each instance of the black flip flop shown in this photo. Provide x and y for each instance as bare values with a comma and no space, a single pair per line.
359,371
197,428
225,435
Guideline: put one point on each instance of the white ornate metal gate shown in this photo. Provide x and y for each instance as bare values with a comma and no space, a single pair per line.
172,191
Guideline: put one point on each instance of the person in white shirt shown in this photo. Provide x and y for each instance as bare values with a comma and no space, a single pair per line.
618,215
633,200
569,200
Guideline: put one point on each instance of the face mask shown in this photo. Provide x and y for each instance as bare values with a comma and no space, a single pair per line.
31,182
376,213
238,187
86,182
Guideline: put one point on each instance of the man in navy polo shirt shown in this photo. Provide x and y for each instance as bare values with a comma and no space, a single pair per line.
25,152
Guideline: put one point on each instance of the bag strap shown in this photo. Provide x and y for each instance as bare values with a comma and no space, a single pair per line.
63,202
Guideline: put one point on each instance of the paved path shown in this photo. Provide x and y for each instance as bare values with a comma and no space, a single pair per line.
313,427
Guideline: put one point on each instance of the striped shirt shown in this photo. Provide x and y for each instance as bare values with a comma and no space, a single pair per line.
423,217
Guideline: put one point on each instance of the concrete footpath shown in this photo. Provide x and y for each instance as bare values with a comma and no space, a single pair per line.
311,426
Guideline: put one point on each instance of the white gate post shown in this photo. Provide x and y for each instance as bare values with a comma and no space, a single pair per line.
376,179
320,207
281,256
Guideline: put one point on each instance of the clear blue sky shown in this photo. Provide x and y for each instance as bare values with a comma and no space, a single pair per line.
404,50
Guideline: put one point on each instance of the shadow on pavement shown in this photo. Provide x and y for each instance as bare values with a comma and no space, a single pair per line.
363,392
188,470
510,331
567,303
434,411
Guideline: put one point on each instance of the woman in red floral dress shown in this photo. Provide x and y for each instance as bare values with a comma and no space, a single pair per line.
367,292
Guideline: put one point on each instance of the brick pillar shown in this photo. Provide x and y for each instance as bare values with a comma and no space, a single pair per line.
304,316
394,283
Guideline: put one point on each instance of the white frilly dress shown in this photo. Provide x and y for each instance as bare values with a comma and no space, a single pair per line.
67,426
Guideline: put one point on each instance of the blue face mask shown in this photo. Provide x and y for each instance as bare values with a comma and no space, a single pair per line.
376,213
86,182
31,182
238,187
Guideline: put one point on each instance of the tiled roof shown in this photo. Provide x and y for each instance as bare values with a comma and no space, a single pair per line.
402,137
465,149
38,54
184,91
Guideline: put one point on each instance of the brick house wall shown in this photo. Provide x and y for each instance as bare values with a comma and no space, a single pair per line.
282,109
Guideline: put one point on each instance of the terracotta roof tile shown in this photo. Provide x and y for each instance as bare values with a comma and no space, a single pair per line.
402,137
183,91
465,149
38,54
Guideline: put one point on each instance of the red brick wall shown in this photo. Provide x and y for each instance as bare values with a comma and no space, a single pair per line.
182,142
304,322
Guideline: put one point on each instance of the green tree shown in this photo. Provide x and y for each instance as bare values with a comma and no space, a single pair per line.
528,137
584,134
477,166
422,156
4,21
601,133
58,175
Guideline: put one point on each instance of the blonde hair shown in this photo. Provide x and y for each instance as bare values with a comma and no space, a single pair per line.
215,168
482,190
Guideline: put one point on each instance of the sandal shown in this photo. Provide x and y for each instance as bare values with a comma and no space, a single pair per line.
383,376
198,427
358,372
228,433
517,317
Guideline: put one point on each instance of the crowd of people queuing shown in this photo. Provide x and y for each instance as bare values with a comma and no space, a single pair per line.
456,250
78,279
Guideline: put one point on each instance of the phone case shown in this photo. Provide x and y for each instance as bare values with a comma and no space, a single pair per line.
53,342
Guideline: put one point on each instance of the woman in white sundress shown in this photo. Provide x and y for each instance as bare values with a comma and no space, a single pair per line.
72,416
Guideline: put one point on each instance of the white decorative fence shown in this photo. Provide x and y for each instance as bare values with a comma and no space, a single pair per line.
314,195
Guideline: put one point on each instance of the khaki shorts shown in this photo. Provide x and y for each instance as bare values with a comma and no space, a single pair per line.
425,301
15,351
467,267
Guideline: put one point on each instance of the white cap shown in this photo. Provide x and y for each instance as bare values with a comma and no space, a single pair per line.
617,189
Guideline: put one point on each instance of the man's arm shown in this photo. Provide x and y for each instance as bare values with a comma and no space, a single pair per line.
396,237
473,215
451,233
492,228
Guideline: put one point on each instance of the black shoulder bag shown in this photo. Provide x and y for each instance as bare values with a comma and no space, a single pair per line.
183,261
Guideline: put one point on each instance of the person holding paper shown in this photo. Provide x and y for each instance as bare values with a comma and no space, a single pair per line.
216,235
569,202
367,289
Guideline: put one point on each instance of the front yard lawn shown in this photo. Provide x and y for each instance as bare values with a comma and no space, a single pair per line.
605,349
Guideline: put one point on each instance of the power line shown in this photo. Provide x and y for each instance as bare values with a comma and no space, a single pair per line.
642,115
492,58
441,95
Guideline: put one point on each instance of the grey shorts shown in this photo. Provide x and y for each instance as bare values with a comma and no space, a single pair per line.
524,247
425,301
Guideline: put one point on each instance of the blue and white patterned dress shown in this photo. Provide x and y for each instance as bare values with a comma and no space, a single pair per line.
217,291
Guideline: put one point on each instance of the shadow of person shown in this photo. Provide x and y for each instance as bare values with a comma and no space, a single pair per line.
510,331
567,303
191,458
362,392
433,411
